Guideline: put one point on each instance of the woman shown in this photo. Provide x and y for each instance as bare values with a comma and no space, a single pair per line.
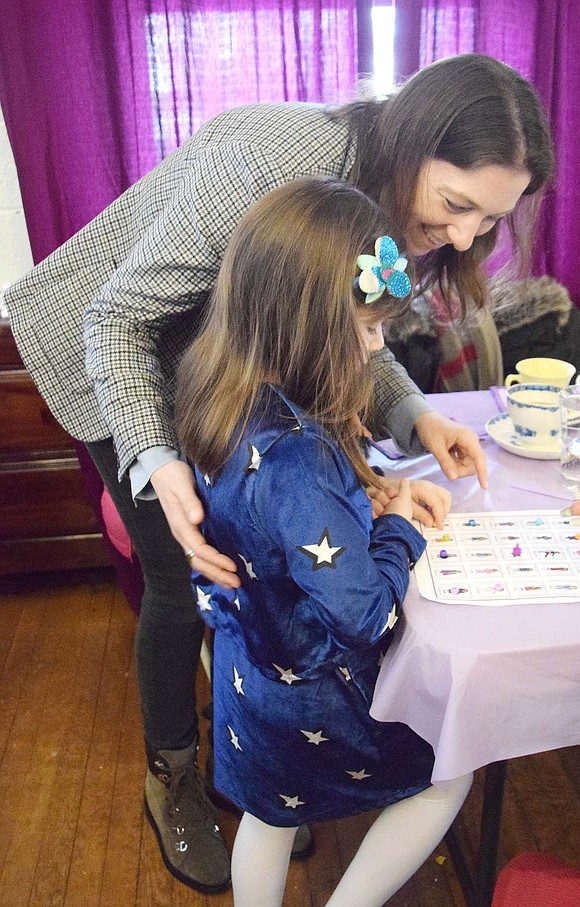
102,322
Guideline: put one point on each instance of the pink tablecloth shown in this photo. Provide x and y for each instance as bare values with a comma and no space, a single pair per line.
483,684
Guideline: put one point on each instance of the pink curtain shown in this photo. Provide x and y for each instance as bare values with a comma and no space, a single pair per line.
541,39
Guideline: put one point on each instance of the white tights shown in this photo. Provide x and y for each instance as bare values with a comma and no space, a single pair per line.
398,842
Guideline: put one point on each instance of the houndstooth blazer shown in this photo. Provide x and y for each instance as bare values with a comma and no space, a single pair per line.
102,322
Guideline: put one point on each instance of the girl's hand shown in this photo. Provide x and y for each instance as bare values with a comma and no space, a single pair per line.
431,503
174,484
402,503
363,430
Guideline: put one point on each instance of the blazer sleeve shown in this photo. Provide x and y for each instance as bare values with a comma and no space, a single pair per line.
160,290
397,402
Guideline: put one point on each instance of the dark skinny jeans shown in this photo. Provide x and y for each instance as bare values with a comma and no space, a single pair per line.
170,632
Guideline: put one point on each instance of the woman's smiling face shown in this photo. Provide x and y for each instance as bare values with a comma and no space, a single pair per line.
453,206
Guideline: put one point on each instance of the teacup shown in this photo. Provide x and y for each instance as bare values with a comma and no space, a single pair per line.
535,414
541,370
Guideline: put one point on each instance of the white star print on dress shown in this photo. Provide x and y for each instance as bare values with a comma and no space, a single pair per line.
358,776
207,479
237,602
255,458
314,736
323,554
203,599
234,739
237,682
346,673
249,568
293,802
286,674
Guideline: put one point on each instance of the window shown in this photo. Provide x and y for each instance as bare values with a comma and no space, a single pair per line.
205,58
383,23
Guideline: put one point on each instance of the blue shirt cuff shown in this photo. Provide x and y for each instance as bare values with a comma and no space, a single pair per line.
144,466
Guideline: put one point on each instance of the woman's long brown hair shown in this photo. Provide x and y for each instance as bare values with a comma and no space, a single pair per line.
283,311
469,110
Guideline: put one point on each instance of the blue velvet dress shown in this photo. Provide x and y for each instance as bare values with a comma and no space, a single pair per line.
298,646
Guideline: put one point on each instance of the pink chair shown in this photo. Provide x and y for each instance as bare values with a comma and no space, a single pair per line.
537,880
118,535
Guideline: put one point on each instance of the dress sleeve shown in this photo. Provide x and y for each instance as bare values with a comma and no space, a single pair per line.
353,573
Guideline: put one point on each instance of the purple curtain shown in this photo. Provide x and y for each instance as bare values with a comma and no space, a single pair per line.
95,92
541,39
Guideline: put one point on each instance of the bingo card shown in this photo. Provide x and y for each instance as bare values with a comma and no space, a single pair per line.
501,558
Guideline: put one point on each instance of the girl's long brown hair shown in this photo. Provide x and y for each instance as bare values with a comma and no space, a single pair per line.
283,311
469,110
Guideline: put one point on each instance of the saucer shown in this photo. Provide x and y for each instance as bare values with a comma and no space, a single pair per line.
501,429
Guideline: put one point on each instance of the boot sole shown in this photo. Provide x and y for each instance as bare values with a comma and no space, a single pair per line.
186,880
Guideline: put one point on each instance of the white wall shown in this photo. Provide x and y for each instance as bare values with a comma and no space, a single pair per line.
15,254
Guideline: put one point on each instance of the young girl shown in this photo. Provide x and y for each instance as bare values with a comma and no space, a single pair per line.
268,408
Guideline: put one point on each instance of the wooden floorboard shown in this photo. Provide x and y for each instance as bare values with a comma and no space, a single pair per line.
72,830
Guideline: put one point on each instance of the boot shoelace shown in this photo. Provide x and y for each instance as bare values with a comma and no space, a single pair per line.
183,779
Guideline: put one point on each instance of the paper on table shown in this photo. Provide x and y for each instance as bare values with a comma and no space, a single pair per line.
501,558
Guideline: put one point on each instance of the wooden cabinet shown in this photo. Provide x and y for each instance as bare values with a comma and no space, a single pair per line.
46,520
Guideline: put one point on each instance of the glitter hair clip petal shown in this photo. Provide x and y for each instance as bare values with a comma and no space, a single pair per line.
384,270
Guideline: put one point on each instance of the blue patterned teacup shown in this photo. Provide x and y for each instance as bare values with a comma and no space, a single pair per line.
535,414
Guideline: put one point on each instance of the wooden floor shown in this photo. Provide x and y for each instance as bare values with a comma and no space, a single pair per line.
72,830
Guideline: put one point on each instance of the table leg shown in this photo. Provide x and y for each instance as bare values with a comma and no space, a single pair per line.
478,887
489,832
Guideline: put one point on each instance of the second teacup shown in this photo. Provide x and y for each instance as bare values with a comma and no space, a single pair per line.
535,414
541,370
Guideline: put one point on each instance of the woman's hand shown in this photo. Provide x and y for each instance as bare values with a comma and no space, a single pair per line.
454,446
174,484
430,503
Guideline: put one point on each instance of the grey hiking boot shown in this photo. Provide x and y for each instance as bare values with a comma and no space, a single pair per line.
184,820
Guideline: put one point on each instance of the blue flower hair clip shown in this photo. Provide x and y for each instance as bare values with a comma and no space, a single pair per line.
384,270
